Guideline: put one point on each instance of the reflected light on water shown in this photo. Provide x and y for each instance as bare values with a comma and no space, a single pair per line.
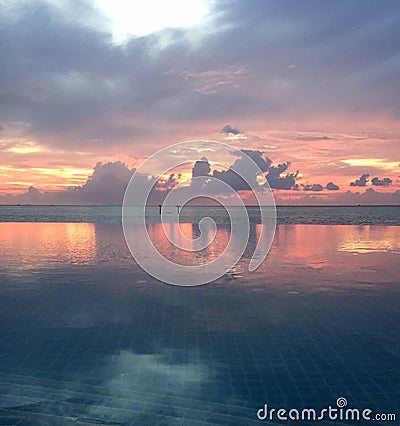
35,245
318,252
369,239
184,234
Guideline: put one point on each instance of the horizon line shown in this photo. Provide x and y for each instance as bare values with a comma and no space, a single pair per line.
202,205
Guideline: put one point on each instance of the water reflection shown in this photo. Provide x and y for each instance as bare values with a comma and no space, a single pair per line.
324,248
187,236
323,253
369,239
36,245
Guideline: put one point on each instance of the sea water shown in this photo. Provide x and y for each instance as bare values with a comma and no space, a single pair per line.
323,215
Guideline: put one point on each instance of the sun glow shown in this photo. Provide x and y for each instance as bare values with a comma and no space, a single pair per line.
42,178
66,172
381,163
26,148
141,18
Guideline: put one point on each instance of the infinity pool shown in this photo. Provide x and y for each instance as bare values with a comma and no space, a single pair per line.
88,338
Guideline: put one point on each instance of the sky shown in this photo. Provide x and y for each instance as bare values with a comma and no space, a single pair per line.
90,89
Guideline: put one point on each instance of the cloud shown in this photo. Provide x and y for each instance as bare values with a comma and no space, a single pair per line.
276,181
381,182
314,187
234,180
294,30
257,156
332,187
362,181
201,168
167,184
370,197
228,129
32,196
233,175
106,186
66,84
108,182
86,71
212,81
313,138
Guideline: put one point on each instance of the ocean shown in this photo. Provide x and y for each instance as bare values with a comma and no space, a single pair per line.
322,215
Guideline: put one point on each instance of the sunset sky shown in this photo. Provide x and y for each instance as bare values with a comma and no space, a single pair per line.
311,82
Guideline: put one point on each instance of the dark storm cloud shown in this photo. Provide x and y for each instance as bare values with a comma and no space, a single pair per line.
276,181
228,129
362,181
317,187
381,182
61,75
332,187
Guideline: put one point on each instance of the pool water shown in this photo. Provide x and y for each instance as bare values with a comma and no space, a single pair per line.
88,338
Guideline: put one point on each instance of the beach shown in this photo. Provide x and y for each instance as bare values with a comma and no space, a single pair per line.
88,337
